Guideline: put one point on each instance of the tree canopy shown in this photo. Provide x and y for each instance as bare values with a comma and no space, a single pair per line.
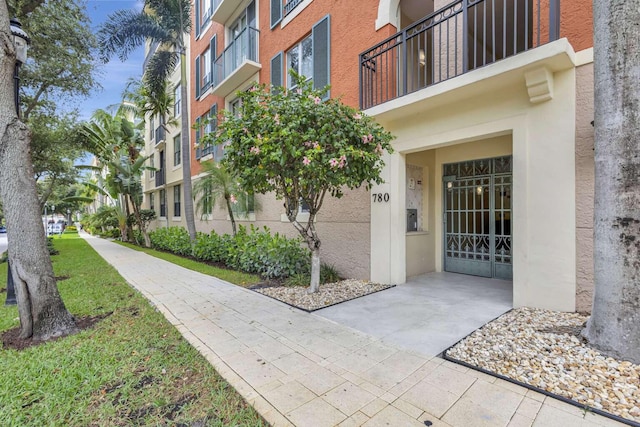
301,147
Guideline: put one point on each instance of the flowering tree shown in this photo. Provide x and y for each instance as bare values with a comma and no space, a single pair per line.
293,143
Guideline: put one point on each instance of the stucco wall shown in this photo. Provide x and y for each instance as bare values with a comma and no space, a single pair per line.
584,187
342,224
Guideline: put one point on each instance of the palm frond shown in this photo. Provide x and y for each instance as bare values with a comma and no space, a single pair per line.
125,30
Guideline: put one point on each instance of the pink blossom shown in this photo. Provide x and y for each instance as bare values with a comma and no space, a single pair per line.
307,144
357,116
306,161
245,130
299,91
379,149
259,136
343,161
255,150
333,163
276,118
233,199
316,145
367,138
317,100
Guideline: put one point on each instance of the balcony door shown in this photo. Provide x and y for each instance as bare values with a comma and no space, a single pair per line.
241,37
477,217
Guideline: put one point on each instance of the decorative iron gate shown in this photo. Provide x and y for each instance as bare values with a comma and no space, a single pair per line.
477,217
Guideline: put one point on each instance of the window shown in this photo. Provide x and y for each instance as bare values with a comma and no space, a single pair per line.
310,58
207,201
176,200
204,9
300,59
176,150
235,105
163,201
152,127
177,100
152,202
206,124
204,66
245,208
152,171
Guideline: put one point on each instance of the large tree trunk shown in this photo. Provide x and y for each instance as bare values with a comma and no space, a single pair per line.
41,310
614,326
185,132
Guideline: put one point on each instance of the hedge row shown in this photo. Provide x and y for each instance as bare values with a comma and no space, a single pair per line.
252,251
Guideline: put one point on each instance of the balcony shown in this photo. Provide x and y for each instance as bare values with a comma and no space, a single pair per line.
160,135
461,37
223,9
160,180
237,63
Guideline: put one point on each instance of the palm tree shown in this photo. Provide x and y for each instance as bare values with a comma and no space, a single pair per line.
165,23
219,185
116,144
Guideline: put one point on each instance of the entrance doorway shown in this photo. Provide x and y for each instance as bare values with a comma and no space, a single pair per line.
477,217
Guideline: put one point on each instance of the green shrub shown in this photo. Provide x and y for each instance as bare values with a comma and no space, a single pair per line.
171,239
70,229
52,250
252,251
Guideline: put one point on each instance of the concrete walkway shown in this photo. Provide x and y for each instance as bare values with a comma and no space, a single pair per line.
429,313
304,370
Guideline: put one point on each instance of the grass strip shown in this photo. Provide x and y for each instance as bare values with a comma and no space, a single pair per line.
231,276
131,368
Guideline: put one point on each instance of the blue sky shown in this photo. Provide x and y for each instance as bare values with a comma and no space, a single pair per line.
113,75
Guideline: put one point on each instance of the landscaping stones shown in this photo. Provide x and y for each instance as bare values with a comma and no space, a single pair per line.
544,349
329,293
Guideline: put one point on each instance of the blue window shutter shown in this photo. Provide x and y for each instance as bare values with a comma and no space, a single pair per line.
212,54
321,35
276,71
198,149
197,16
276,12
198,76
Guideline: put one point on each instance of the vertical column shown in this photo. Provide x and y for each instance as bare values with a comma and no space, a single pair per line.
388,223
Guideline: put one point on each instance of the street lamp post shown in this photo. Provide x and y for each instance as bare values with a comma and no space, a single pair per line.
21,42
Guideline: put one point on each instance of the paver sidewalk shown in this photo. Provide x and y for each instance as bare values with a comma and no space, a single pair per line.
300,369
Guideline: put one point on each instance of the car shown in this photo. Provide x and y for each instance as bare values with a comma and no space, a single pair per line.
55,229
3,229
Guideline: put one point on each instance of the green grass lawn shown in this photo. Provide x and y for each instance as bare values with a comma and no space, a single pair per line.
231,276
131,368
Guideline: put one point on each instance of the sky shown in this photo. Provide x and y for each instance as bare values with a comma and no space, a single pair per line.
113,75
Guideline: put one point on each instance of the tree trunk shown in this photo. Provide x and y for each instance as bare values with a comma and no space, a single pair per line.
41,310
185,132
233,219
314,286
614,326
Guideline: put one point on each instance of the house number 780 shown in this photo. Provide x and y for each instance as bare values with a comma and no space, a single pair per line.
380,197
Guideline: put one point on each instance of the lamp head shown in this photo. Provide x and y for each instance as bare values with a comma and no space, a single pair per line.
21,41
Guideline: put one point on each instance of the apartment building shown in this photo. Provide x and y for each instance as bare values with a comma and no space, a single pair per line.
163,184
491,103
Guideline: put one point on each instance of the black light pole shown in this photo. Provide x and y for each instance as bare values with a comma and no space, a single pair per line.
21,42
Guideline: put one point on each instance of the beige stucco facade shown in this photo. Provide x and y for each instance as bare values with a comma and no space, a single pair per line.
524,106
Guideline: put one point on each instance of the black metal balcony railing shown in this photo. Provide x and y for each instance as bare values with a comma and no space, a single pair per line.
159,177
460,37
243,47
290,5
159,134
